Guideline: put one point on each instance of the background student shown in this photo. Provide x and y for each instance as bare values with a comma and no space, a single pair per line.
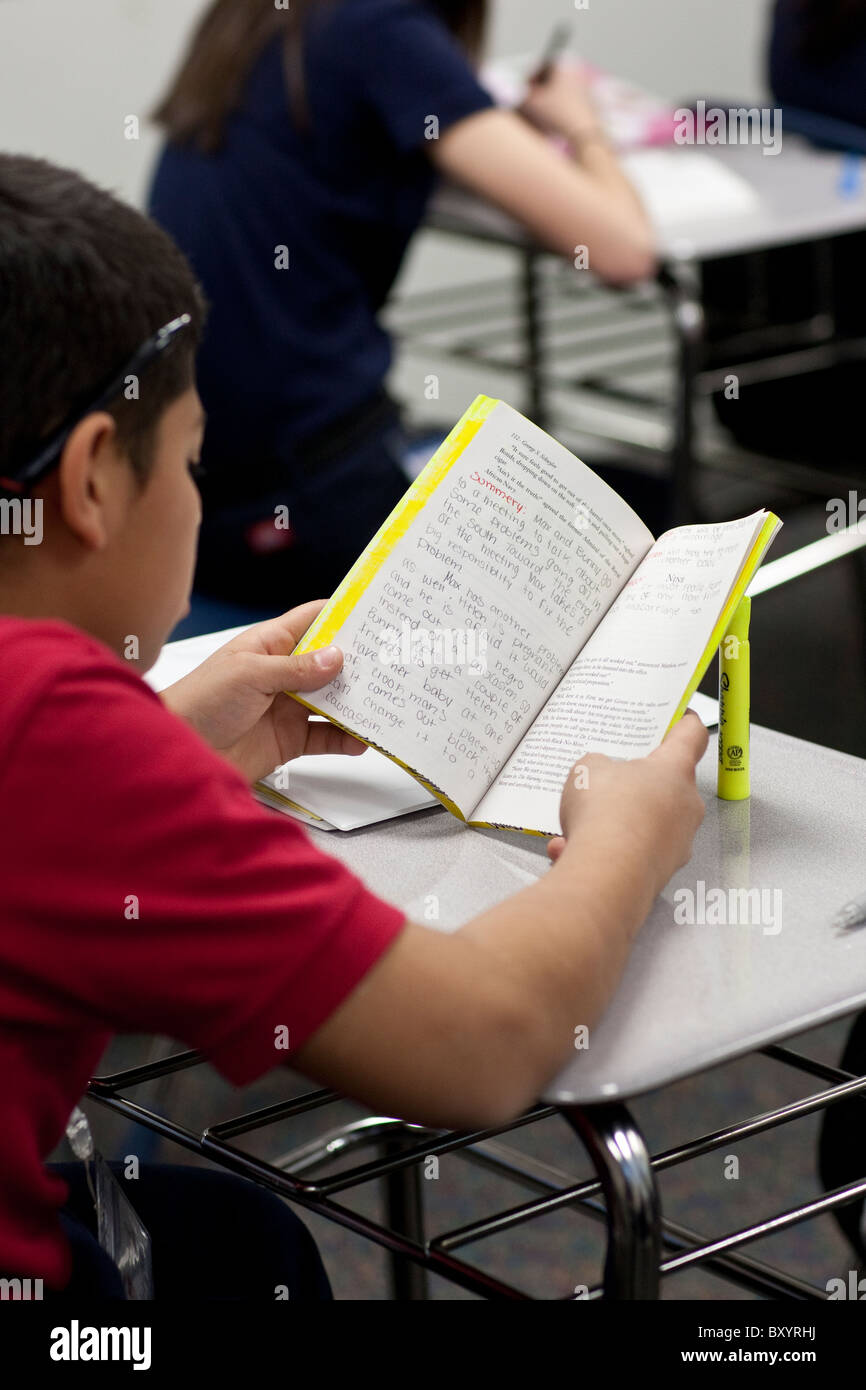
144,890
818,57
302,148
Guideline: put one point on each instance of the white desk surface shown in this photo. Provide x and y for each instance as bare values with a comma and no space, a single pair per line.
691,996
800,200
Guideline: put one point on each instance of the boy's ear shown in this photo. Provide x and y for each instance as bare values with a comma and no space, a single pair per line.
94,481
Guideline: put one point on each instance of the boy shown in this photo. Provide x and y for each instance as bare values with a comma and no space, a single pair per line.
143,888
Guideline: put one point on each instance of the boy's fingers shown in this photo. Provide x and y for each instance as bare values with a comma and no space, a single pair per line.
272,674
313,669
287,629
277,634
687,740
300,620
325,738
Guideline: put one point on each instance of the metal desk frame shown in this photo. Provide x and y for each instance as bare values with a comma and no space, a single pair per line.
642,1246
787,350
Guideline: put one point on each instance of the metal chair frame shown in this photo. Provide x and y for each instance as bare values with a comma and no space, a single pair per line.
643,1247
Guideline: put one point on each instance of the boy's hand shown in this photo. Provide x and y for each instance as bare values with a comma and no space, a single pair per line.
235,699
652,802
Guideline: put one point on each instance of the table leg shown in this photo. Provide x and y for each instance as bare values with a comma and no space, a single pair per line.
404,1202
622,1162
681,282
533,298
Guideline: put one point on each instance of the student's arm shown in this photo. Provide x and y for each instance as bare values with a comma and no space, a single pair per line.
406,67
565,202
562,105
178,906
466,1029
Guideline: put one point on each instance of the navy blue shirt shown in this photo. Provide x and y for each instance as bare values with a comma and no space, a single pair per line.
836,88
287,351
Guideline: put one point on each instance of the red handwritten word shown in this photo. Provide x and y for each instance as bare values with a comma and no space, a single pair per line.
491,487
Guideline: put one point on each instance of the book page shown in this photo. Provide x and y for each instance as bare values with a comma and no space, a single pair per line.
622,691
476,612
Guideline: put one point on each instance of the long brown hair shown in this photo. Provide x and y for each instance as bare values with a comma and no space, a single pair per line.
831,26
230,38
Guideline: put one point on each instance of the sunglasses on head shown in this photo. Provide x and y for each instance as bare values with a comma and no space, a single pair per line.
28,474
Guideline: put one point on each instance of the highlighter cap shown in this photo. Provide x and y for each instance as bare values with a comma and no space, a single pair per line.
739,624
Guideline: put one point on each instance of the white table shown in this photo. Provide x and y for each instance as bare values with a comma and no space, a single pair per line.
803,194
803,197
692,997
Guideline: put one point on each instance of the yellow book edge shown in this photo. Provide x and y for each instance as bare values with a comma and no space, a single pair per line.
750,568
392,530
269,794
364,571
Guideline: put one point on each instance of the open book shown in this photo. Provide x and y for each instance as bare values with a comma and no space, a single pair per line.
330,791
513,613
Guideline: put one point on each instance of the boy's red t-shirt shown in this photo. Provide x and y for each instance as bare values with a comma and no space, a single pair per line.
142,890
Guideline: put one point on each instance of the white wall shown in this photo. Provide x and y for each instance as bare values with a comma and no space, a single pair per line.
72,70
679,48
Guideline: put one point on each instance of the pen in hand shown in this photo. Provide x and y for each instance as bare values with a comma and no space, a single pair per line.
558,43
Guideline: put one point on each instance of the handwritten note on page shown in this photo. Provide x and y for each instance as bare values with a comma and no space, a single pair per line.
481,607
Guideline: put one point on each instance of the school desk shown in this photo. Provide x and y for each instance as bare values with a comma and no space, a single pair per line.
739,953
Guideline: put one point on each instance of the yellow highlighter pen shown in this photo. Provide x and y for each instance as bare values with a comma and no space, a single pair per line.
734,700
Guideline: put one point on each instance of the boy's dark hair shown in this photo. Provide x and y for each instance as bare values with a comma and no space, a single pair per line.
84,281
